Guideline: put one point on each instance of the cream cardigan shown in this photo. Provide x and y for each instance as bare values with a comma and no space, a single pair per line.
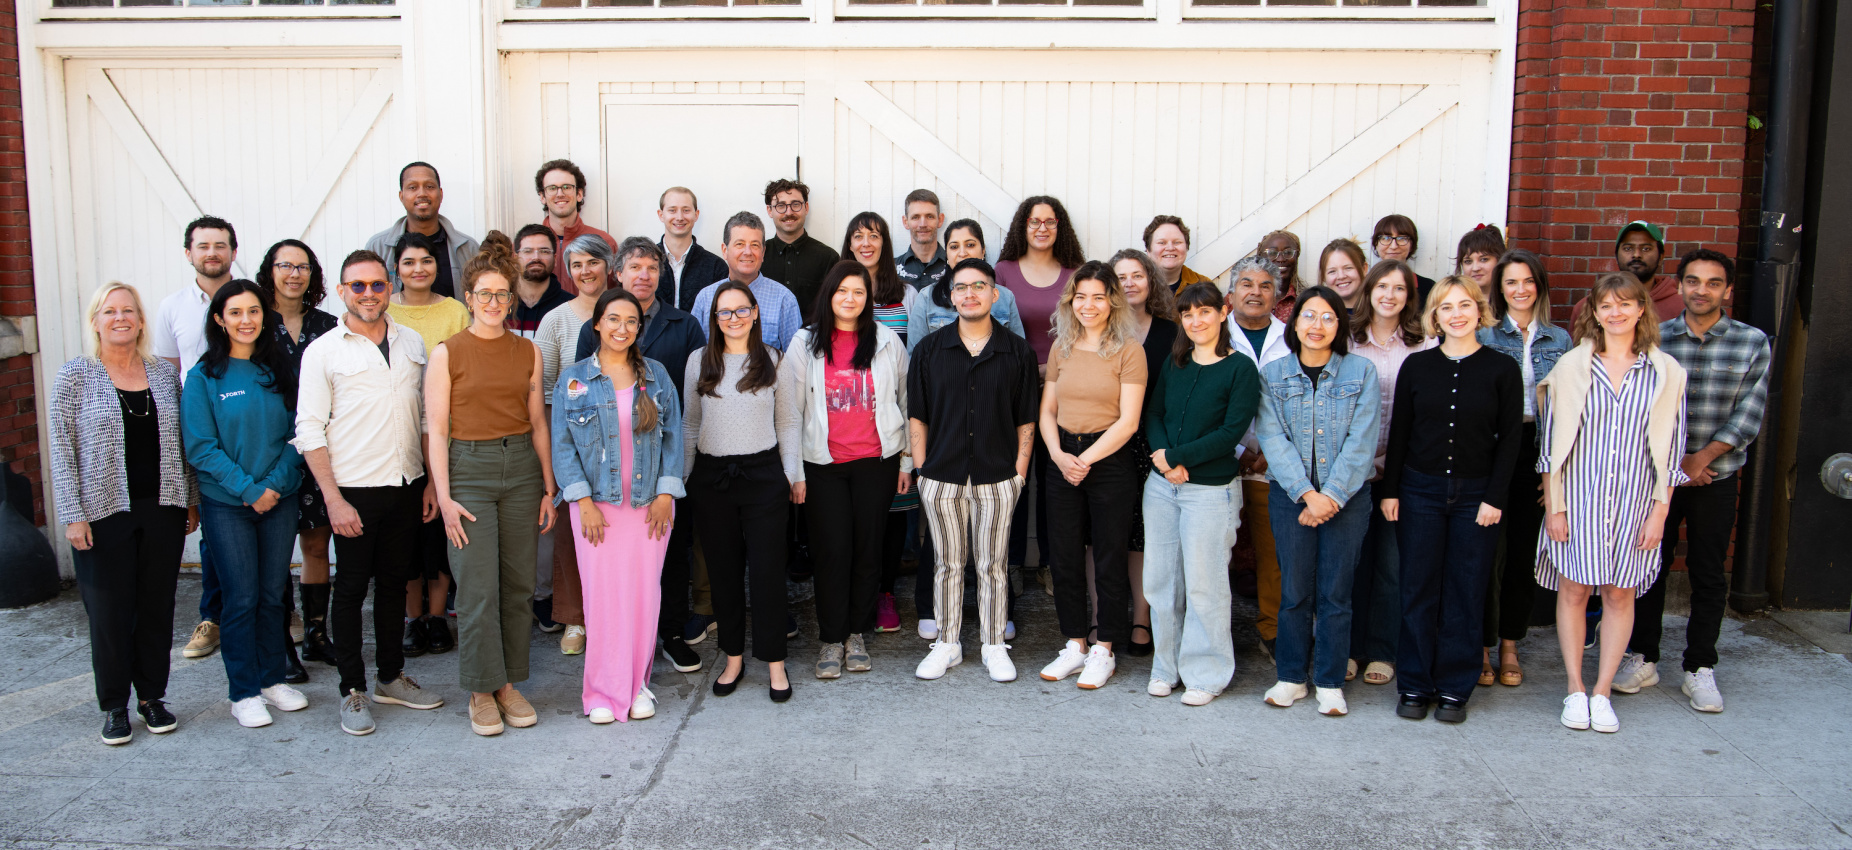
1567,388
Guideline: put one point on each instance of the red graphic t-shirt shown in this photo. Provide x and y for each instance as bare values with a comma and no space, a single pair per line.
849,396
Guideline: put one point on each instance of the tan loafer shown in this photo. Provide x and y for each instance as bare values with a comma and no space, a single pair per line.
484,717
516,709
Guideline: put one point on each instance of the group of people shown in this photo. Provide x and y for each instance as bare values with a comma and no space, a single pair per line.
635,442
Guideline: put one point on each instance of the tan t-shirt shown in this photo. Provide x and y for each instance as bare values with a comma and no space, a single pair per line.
1087,386
489,381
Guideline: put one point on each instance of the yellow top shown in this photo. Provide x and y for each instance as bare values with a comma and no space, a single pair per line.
433,322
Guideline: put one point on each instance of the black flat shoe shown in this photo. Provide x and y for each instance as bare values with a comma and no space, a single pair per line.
1413,708
154,713
722,689
437,635
1450,711
292,666
1136,649
780,696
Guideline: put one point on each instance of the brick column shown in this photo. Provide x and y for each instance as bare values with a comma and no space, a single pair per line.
19,430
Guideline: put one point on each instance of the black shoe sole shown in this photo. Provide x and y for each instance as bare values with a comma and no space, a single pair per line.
1412,712
780,696
301,678
1450,714
722,689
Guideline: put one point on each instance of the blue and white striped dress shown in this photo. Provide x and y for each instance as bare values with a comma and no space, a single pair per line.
1608,484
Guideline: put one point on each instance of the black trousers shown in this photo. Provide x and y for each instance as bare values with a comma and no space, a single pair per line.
674,613
1708,513
127,579
1098,510
381,556
846,507
742,504
1507,612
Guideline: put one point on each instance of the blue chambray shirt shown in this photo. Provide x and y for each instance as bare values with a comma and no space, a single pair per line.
1330,431
587,459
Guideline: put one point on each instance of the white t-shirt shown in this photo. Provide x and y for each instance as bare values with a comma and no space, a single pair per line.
179,330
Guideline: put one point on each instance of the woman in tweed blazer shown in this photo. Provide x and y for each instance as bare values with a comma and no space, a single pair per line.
122,483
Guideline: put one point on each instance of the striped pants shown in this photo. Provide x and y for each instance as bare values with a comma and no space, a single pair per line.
970,522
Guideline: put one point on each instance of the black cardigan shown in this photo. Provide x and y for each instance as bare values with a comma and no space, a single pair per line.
1456,420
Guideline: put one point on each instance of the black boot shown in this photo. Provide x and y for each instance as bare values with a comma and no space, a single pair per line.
292,665
315,643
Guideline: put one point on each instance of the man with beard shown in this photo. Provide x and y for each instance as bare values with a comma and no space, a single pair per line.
179,337
794,259
538,291
422,195
1637,251
562,195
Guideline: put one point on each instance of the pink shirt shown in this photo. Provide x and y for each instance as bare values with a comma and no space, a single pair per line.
849,396
1388,358
1036,305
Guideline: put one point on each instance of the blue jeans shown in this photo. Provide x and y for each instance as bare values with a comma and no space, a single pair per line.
1189,530
209,600
1376,595
1316,568
253,569
1446,563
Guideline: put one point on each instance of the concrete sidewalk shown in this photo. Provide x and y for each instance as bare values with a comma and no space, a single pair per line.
884,760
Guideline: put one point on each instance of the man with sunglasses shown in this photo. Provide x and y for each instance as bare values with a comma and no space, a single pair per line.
561,186
360,426
794,259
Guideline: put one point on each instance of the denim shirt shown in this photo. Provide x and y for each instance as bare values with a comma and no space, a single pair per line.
585,434
924,317
1331,430
1550,345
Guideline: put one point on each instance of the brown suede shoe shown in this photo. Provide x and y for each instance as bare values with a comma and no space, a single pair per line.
484,717
516,709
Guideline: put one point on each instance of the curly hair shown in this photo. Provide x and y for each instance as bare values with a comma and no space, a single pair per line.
1066,249
317,289
497,256
1120,330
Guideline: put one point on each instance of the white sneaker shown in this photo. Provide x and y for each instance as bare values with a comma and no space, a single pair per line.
1331,702
1635,673
1100,667
1159,688
1575,710
997,660
284,697
1601,715
644,707
929,629
943,657
1284,694
251,712
601,716
1066,664
1702,688
1009,629
1196,697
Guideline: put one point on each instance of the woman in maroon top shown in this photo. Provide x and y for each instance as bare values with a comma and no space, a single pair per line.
1040,252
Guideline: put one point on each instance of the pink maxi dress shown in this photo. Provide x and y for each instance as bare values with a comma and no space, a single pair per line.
622,581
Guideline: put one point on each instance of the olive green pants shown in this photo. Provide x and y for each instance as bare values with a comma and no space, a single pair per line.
497,481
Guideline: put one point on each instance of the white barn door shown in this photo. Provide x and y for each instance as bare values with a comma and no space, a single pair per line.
726,175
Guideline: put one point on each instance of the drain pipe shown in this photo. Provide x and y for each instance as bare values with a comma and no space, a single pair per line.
1777,276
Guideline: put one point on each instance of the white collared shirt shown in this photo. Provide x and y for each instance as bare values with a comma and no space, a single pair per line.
367,413
1272,349
676,264
1530,373
179,331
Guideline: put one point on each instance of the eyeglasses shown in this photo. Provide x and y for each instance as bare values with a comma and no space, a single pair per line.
787,206
741,313
501,297
1281,254
626,324
1043,223
1397,241
976,287
360,287
534,252
559,189
287,268
1318,318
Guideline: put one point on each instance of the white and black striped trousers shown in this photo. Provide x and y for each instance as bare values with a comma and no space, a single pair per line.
970,522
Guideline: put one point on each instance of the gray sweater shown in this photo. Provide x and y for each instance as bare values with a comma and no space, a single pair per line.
741,423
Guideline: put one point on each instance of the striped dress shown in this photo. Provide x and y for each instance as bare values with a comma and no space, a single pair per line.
1607,484
894,316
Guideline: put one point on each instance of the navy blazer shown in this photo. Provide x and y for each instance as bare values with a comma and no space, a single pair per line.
700,268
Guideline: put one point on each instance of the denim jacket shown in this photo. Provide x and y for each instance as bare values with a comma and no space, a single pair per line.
585,423
1550,345
1331,430
924,317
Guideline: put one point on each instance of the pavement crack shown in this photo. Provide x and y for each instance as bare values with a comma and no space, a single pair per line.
565,823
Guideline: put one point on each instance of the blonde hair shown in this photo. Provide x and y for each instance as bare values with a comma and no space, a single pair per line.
1431,326
1120,328
1627,288
93,341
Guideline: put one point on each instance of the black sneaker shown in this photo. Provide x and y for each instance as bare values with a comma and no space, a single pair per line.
437,635
684,659
543,615
116,729
790,626
414,642
1450,711
154,713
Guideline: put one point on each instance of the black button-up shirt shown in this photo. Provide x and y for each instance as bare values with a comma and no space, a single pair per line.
972,406
800,266
918,273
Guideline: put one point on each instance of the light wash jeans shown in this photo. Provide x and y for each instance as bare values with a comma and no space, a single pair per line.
1189,530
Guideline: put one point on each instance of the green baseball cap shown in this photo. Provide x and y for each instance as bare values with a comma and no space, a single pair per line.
1650,228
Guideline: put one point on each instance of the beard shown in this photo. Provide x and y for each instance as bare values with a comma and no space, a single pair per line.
536,273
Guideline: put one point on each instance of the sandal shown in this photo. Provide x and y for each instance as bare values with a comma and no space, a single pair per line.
1378,673
1487,675
1136,649
1510,675
1350,669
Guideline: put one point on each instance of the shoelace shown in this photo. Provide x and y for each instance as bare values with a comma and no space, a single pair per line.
409,682
1703,679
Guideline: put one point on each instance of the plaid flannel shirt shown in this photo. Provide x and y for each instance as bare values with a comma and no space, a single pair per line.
1726,386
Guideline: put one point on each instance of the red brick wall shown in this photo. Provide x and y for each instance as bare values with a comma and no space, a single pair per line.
1628,109
19,430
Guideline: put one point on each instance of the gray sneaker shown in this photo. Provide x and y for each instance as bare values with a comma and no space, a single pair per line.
403,691
1702,688
829,661
855,656
1635,673
356,716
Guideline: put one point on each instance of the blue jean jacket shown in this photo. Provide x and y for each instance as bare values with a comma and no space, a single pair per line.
1331,430
586,455
1550,345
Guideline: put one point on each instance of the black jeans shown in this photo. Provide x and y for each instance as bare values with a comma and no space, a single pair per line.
1507,612
1708,512
1101,506
381,556
1446,563
846,507
742,503
674,613
127,579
